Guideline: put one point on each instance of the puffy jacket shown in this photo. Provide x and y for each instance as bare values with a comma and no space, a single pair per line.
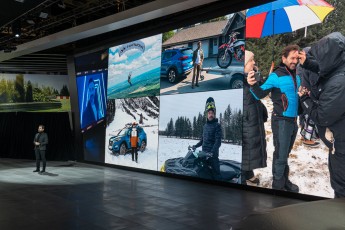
329,112
283,85
211,137
254,154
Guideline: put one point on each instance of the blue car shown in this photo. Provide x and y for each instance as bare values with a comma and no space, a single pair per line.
176,62
121,144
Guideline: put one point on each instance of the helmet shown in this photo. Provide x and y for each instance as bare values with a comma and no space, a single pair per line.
210,105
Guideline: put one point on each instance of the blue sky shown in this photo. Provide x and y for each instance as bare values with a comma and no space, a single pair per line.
134,60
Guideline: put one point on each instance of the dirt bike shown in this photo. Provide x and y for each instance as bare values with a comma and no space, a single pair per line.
234,47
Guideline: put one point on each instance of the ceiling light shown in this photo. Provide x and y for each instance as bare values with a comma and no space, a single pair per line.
21,1
30,21
43,15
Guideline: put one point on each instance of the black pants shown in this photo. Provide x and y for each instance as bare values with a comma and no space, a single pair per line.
135,152
336,165
284,135
214,163
196,76
40,154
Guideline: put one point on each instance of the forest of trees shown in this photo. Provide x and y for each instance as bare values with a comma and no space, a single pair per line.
263,47
15,91
230,121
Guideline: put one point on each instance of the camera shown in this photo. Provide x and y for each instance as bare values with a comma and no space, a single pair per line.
257,76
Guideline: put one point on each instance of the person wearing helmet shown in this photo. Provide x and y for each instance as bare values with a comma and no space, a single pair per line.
211,138
134,141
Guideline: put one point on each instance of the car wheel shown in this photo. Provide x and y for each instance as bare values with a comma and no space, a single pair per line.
236,82
172,75
123,149
143,146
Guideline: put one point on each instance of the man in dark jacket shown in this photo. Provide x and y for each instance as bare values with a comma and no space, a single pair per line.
329,112
211,138
40,142
283,84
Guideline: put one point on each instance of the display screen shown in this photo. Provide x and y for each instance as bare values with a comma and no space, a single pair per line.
92,98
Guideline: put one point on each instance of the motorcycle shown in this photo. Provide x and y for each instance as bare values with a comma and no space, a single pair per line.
234,47
195,164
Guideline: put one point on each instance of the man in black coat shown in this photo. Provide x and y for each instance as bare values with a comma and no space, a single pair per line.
211,138
329,112
40,142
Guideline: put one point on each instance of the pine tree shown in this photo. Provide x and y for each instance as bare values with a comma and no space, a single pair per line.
19,88
28,96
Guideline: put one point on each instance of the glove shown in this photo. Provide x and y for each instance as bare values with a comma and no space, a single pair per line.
330,138
194,147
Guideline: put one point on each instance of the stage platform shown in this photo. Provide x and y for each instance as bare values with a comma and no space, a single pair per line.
83,196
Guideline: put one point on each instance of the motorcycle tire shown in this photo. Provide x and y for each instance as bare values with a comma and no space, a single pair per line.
222,54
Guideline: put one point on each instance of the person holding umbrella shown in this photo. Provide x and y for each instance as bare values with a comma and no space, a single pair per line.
283,84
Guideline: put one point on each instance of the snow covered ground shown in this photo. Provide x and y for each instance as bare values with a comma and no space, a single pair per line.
175,147
308,166
146,159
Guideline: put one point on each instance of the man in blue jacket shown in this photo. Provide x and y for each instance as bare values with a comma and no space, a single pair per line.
283,84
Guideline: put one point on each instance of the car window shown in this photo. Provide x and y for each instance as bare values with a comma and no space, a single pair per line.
173,53
187,51
167,55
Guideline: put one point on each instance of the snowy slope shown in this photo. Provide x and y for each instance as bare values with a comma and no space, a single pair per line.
146,159
308,166
175,147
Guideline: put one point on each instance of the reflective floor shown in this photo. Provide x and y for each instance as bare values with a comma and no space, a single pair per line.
82,196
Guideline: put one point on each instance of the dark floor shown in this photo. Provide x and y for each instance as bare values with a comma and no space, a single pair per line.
92,197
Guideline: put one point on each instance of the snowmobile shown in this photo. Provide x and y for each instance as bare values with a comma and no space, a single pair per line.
195,164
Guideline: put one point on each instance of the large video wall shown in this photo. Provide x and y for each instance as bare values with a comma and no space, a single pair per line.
193,101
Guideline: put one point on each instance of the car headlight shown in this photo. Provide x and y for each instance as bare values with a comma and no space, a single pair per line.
163,168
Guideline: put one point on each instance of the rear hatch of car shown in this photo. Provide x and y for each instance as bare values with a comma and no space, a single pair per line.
186,59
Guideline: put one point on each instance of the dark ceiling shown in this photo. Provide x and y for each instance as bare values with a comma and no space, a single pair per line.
66,14
33,19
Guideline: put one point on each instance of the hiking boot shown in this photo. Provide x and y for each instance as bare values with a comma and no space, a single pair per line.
291,187
254,181
311,144
279,184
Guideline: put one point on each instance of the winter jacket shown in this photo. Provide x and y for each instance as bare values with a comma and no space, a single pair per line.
211,137
134,137
254,154
329,112
309,79
283,85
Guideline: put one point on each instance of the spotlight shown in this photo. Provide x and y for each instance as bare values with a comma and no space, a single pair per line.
43,15
21,1
16,29
30,21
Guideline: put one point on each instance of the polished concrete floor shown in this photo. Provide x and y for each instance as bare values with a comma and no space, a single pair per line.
82,196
